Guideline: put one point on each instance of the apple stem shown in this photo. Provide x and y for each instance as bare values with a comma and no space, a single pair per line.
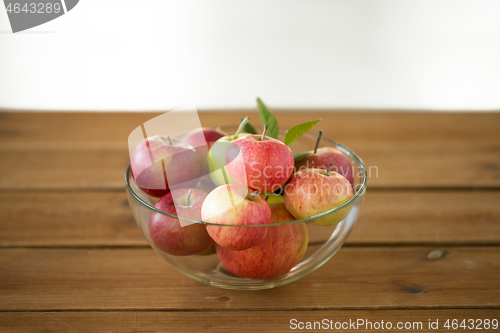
242,125
169,139
253,195
320,134
266,126
268,196
188,196
329,168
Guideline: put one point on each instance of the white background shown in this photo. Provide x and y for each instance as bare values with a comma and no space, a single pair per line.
160,55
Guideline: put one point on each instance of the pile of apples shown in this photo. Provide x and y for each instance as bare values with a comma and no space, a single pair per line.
245,169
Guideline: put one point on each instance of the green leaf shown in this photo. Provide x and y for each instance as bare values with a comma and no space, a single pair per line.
298,157
249,129
298,130
266,117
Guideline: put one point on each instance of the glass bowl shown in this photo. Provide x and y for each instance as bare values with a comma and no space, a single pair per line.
322,241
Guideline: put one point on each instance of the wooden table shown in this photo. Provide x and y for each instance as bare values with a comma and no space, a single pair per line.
427,244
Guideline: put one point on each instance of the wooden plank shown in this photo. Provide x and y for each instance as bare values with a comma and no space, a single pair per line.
82,150
370,278
67,169
397,164
67,219
23,128
420,217
430,164
246,321
388,217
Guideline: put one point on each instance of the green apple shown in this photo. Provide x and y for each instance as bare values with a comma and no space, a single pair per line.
216,157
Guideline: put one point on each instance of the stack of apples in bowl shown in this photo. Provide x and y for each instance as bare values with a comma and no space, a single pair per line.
240,210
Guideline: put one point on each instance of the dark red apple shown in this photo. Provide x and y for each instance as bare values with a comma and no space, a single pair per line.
172,235
259,162
281,249
160,163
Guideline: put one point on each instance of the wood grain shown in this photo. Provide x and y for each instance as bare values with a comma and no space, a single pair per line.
414,217
388,217
69,170
240,321
24,128
368,278
67,219
433,185
390,165
82,151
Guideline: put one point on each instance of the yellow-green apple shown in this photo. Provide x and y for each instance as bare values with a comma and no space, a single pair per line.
272,198
216,159
314,191
321,158
259,162
281,249
202,139
233,210
160,163
179,237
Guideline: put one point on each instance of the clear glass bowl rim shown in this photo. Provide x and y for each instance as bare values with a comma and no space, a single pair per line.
345,204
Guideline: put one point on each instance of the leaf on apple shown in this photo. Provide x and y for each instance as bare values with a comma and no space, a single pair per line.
298,157
298,130
266,117
248,128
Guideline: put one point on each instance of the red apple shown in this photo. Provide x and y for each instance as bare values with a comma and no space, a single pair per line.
172,235
281,249
321,158
160,163
202,139
234,205
259,162
314,191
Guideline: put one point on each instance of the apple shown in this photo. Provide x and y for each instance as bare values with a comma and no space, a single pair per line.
202,139
216,159
272,198
169,234
209,251
281,249
259,162
234,209
205,184
160,163
322,157
313,191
